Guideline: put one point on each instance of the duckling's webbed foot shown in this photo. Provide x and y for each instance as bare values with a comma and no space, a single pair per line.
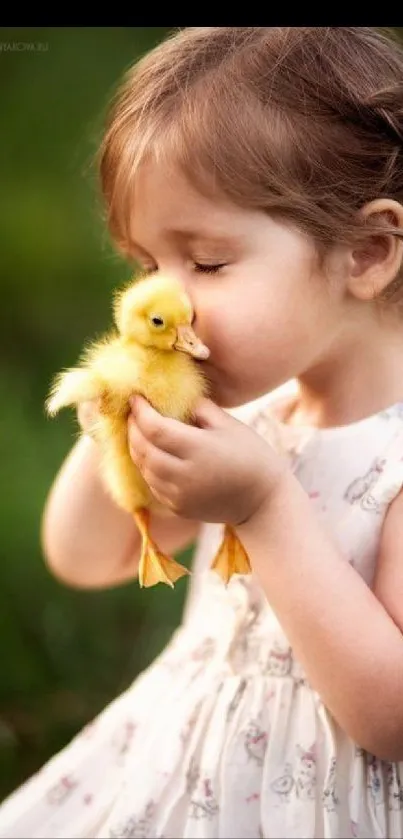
154,566
231,557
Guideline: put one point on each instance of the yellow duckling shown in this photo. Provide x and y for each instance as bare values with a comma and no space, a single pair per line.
150,353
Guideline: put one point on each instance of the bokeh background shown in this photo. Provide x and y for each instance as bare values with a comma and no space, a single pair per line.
64,653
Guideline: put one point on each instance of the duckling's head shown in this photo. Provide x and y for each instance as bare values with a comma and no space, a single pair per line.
156,312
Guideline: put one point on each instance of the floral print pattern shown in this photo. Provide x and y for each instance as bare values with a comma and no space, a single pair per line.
223,735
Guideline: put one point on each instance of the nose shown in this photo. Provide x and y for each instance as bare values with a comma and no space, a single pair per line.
180,274
186,285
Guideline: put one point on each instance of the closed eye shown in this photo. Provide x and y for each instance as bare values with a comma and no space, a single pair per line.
208,269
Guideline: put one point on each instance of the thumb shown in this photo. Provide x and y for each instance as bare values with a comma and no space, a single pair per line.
208,415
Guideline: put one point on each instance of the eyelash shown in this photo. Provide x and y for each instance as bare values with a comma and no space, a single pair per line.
199,267
208,269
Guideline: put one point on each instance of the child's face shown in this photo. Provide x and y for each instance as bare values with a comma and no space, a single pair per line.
268,314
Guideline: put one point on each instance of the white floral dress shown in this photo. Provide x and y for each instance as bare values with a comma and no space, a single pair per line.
222,736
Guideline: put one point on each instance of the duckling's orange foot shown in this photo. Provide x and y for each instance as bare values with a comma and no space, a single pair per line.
154,566
231,557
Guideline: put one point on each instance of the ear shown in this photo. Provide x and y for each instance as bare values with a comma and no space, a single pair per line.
375,262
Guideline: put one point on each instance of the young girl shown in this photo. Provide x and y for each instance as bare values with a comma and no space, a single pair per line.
264,168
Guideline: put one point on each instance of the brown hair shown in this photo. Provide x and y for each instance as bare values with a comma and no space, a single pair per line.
302,122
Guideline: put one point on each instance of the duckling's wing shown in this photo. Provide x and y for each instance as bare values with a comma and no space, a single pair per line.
71,387
107,368
118,365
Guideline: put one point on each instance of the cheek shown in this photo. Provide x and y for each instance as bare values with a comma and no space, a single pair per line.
229,325
271,319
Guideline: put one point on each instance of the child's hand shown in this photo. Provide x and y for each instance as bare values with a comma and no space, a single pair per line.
218,471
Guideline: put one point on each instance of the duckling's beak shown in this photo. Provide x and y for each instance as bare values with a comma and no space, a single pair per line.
187,341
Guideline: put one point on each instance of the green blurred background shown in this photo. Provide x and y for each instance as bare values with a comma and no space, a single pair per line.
64,653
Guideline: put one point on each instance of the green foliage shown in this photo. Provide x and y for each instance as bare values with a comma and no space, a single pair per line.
64,653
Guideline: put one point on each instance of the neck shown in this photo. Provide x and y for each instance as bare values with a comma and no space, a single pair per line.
361,376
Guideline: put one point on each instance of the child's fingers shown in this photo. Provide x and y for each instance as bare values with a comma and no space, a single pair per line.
209,415
164,433
163,491
156,462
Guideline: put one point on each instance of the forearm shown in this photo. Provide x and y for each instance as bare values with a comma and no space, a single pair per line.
87,540
350,648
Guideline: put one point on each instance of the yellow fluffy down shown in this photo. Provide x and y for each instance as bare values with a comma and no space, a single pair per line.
117,366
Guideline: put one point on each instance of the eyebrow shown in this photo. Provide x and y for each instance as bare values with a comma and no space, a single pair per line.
190,235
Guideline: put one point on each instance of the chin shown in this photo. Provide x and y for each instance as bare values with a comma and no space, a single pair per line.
226,396
232,398
225,392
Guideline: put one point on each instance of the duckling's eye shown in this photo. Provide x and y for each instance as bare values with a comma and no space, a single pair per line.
156,320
